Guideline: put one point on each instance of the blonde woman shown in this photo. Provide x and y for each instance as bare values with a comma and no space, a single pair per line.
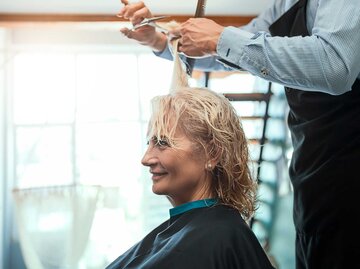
198,157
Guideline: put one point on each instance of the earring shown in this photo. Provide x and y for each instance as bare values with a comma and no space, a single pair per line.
209,166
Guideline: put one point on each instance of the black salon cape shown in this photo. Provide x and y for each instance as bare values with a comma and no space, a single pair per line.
202,238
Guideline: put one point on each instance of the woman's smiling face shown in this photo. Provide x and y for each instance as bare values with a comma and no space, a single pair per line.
178,173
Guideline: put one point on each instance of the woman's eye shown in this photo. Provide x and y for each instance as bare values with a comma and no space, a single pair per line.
162,143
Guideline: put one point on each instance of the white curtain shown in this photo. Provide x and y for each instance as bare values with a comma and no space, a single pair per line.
54,224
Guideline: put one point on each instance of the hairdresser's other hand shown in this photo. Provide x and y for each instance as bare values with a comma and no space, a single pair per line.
198,37
145,35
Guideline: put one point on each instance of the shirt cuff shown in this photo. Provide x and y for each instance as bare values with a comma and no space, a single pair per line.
231,44
166,53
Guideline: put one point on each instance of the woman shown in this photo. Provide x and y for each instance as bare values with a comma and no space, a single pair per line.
198,158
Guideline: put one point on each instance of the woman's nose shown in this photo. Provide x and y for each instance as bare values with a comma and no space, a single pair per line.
149,157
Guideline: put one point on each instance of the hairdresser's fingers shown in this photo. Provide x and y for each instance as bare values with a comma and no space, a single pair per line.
187,48
122,10
188,52
181,51
140,15
183,44
136,35
126,32
120,13
191,51
180,47
131,9
145,34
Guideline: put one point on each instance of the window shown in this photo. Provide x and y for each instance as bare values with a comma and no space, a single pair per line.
81,118
78,114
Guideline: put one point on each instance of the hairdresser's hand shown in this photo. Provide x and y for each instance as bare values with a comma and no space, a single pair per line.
145,35
198,37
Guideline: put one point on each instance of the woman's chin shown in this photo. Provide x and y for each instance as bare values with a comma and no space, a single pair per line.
158,189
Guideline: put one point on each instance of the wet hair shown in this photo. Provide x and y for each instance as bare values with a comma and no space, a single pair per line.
210,121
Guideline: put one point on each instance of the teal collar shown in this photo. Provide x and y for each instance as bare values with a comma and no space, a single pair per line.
192,205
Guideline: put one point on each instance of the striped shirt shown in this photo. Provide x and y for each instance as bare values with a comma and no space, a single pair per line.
326,61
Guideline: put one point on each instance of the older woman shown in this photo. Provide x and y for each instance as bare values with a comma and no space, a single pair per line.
198,158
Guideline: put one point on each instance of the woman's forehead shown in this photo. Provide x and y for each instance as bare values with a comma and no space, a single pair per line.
170,133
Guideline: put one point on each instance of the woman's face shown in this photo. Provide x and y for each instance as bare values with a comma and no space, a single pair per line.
178,173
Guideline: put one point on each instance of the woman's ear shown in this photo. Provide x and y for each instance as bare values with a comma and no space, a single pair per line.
214,153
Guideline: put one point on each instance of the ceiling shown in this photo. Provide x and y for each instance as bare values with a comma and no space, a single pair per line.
184,7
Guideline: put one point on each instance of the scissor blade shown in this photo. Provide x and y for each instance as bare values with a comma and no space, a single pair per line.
149,21
156,18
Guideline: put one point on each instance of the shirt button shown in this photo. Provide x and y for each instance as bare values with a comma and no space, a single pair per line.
264,72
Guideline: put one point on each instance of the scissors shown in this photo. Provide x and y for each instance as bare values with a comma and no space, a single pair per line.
151,22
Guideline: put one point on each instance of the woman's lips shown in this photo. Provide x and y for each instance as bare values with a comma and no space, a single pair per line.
157,176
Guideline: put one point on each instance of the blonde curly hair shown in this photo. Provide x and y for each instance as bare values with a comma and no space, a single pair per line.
210,121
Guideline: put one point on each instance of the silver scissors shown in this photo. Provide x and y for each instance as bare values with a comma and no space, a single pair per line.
151,22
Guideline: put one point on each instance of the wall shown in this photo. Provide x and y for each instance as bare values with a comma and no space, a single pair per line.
213,7
2,144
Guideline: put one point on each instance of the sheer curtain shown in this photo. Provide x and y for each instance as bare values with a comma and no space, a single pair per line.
54,224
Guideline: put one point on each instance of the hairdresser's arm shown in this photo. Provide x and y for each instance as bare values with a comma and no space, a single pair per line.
215,62
326,61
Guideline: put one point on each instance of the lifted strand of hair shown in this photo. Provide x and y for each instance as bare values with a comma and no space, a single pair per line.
179,78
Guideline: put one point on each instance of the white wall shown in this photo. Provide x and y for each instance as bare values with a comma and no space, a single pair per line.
214,7
2,144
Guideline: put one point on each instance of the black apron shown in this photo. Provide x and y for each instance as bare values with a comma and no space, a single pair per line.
324,171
